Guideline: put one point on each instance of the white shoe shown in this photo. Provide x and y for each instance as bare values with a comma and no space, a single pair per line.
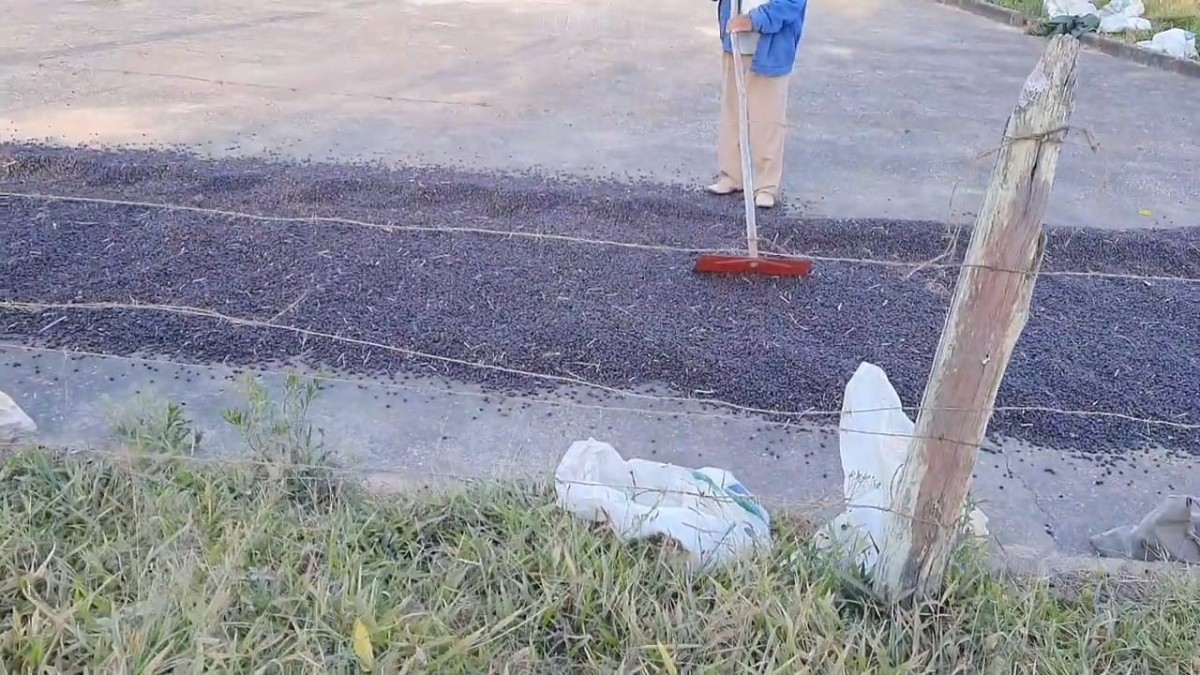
764,200
723,187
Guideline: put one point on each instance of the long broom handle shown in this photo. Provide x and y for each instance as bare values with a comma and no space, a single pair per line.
744,134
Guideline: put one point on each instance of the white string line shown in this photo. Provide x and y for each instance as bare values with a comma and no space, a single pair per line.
790,425
322,377
661,248
183,310
566,403
330,470
758,421
351,221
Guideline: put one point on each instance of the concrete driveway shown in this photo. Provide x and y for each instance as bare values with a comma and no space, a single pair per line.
892,103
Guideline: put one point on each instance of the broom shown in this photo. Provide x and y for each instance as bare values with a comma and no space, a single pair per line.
752,263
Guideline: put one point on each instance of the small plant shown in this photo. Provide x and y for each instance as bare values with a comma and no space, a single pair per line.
169,432
283,441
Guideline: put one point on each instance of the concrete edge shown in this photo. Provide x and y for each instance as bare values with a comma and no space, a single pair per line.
1104,45
1011,562
1032,564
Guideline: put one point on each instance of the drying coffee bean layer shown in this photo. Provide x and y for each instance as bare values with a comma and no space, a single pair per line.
616,316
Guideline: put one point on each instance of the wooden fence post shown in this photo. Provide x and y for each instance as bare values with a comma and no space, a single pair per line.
988,312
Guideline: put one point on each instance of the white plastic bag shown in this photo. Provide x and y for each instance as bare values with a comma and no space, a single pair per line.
1056,8
1118,16
707,511
873,440
1175,42
15,425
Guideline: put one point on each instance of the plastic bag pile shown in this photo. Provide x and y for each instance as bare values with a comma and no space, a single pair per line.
1118,16
1122,16
713,517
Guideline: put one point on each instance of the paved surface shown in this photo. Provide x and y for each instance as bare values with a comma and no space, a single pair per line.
1038,500
613,315
892,104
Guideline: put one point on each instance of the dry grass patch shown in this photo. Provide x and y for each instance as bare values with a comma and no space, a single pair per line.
156,563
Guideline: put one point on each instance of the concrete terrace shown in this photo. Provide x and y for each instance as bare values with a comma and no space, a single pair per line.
893,105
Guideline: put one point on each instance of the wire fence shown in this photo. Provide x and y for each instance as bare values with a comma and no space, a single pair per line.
792,416
709,538
408,477
763,416
560,238
315,472
687,497
731,410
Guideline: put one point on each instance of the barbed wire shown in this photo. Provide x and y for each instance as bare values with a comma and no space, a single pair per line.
324,377
817,514
184,310
789,424
543,236
820,526
793,424
915,265
409,475
320,471
1056,135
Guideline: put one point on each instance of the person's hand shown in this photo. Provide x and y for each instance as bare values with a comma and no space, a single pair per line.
741,24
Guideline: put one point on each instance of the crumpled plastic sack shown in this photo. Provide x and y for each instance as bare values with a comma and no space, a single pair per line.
706,511
873,439
1175,42
1069,8
15,425
1171,532
1118,16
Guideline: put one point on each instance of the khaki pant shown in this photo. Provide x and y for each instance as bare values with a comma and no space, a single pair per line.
766,105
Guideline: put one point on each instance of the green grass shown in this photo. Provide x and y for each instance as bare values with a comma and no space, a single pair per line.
142,564
1163,14
1166,14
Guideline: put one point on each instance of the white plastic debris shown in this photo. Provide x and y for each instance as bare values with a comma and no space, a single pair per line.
873,439
15,425
1056,8
1170,532
1175,42
706,511
1118,16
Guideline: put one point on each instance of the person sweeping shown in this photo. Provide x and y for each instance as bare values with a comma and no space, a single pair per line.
768,34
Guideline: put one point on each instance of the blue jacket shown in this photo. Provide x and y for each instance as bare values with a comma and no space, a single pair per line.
780,23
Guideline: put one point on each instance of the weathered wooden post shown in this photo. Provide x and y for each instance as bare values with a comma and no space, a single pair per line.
988,312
